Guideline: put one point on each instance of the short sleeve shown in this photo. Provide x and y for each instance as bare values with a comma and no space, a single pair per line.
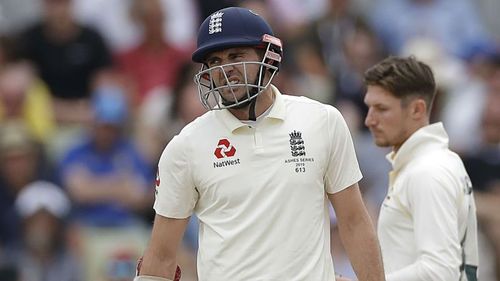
343,168
176,195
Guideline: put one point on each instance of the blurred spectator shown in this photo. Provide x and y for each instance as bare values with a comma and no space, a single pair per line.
349,47
292,17
310,74
21,163
483,168
465,99
105,175
339,20
361,49
455,25
163,115
121,267
304,73
206,8
112,19
25,98
449,71
68,57
185,106
8,50
261,7
154,62
44,255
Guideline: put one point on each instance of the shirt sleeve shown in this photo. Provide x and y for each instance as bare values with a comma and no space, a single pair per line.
343,168
431,197
176,195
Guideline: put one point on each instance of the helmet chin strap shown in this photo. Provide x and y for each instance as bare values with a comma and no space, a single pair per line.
251,109
249,103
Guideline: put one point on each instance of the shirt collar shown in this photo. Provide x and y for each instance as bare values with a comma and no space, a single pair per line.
430,137
277,112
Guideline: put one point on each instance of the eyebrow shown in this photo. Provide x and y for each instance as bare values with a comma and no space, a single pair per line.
379,105
236,51
376,104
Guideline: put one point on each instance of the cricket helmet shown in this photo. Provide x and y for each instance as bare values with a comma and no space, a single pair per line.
228,28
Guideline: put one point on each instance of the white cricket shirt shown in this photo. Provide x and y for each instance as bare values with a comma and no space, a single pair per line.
260,191
425,214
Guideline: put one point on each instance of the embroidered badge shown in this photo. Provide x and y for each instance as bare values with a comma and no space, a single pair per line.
298,151
297,144
215,23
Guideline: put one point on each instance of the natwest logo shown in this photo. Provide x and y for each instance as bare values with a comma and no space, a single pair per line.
224,149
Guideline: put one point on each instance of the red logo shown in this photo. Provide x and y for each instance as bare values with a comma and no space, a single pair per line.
224,149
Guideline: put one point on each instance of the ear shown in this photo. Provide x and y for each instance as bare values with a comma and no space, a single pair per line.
418,109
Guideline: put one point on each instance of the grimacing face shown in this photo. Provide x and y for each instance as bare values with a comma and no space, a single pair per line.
235,73
388,120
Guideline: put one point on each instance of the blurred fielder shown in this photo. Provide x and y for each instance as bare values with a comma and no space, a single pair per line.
258,171
427,223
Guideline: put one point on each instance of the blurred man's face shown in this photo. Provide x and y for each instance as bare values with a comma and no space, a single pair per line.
387,119
361,51
58,12
235,74
150,15
189,105
106,136
18,167
491,114
15,81
41,232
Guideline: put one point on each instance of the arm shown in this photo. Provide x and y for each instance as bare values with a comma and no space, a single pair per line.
86,188
160,257
358,234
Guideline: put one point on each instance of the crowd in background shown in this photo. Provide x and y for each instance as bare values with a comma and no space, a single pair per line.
92,90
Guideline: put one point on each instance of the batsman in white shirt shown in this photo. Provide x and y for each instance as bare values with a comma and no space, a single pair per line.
259,170
427,223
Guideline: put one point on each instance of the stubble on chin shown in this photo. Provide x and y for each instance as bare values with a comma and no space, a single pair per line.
380,142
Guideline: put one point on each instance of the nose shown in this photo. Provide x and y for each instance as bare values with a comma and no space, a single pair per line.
228,70
221,73
369,120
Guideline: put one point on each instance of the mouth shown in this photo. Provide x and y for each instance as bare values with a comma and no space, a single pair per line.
234,86
232,81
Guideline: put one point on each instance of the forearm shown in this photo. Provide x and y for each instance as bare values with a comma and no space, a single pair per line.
361,244
358,234
155,264
160,257
86,190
